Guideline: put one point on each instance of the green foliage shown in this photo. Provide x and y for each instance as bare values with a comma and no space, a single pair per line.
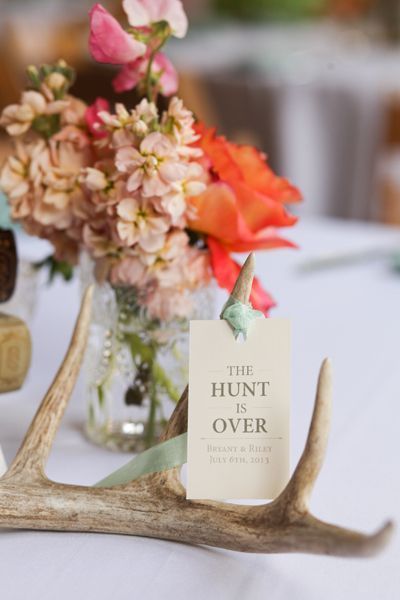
145,358
38,75
46,125
264,9
56,268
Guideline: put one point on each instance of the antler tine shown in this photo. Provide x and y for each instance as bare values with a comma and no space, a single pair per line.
33,453
323,538
177,423
295,496
294,499
242,288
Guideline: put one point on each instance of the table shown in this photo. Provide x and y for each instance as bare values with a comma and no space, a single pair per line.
350,313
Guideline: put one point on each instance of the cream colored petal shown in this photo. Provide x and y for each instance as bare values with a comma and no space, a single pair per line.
135,180
154,186
19,190
36,100
158,144
127,232
128,159
157,224
194,188
151,242
56,107
18,128
9,113
16,165
58,199
173,170
127,209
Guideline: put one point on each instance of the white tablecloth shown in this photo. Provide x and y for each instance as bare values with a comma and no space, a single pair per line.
350,314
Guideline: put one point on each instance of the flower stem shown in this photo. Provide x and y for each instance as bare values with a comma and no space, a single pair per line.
151,421
151,90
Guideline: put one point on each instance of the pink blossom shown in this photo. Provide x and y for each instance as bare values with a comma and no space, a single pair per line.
92,118
142,13
108,42
130,75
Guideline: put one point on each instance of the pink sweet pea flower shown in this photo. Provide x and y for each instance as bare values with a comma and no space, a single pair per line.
108,42
133,72
142,13
92,118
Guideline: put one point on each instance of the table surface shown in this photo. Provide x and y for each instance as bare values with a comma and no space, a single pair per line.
350,313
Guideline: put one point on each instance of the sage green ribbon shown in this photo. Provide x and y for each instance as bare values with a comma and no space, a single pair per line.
173,452
164,456
239,316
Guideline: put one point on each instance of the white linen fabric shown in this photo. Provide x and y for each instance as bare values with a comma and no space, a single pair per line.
349,313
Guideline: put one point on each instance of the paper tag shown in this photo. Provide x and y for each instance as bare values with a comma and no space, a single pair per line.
239,410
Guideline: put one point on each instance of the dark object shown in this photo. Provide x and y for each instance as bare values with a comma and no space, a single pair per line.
139,390
8,264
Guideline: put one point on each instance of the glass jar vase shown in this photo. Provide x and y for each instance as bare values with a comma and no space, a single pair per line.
135,367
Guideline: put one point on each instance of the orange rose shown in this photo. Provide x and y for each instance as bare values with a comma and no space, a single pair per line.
241,207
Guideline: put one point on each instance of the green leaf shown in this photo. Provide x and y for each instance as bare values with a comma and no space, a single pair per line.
147,354
162,379
138,348
56,267
100,396
33,75
47,125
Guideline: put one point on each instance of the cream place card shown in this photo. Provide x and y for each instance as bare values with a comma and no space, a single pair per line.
239,409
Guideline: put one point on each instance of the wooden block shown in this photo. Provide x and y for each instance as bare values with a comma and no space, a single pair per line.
15,352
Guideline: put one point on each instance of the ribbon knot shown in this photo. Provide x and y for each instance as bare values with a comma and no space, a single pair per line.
239,316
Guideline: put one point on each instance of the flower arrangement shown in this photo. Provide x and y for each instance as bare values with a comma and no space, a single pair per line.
157,199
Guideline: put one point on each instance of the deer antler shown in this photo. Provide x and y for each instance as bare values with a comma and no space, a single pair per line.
155,505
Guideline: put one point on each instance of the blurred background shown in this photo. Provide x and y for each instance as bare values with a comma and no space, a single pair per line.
313,83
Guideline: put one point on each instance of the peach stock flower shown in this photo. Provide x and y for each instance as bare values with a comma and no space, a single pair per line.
139,223
153,168
22,175
18,118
